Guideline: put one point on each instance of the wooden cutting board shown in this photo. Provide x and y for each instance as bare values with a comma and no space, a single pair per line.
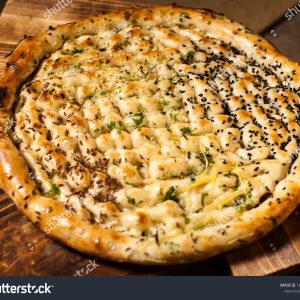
24,250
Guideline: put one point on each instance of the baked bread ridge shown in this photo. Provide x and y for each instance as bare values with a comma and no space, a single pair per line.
91,238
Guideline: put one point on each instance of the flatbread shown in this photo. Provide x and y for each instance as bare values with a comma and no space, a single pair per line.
154,136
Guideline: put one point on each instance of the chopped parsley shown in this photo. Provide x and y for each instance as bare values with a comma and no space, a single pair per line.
171,195
93,98
199,227
205,158
72,52
131,200
54,190
244,203
164,102
138,118
174,113
186,131
112,125
189,57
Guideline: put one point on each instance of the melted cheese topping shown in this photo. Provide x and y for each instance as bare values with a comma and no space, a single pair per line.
156,130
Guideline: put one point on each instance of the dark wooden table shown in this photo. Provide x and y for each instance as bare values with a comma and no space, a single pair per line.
24,250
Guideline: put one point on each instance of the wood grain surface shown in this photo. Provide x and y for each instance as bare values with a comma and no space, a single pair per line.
25,250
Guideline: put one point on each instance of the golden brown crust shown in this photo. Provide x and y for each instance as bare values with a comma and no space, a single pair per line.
92,239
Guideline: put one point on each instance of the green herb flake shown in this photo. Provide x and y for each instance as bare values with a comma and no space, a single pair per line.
138,118
205,158
174,113
93,97
72,52
54,190
131,200
237,180
189,57
186,131
244,203
203,197
112,125
171,195
198,227
164,102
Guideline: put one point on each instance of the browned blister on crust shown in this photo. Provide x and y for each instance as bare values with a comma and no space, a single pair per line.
154,136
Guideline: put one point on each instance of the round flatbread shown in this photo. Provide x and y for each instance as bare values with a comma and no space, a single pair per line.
153,136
